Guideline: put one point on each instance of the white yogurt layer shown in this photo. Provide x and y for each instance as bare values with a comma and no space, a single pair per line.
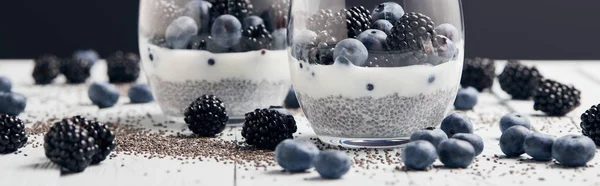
351,81
183,65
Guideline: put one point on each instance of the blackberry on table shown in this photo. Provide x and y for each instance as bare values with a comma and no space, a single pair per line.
478,73
75,70
237,8
12,134
358,19
206,116
102,135
69,146
255,38
47,68
413,32
590,123
277,15
555,99
123,67
519,80
265,128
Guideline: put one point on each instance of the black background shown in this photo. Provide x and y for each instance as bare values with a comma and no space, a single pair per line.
525,29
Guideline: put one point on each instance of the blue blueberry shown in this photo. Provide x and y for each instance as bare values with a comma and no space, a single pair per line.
374,40
332,164
226,31
390,11
473,139
435,136
539,146
418,155
511,141
291,101
12,103
199,10
352,50
140,93
103,94
454,153
296,156
446,48
383,25
449,31
456,123
279,39
573,150
5,84
252,21
466,98
180,31
89,55
513,119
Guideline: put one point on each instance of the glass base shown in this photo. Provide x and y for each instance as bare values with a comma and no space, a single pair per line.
366,142
233,121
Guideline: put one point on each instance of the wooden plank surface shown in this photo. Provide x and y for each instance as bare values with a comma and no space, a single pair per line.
371,167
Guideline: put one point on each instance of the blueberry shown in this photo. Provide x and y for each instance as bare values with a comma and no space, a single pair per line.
390,11
466,98
12,103
332,164
449,31
353,50
279,39
199,10
573,150
456,123
513,119
140,93
89,55
291,101
180,31
446,48
539,146
5,84
418,155
454,153
252,21
473,139
435,136
103,94
511,141
383,25
296,156
226,31
374,40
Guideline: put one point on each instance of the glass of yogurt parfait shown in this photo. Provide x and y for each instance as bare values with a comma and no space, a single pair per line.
233,49
369,73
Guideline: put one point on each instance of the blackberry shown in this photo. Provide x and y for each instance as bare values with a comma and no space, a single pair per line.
265,128
519,80
103,136
47,68
328,21
590,123
413,32
123,67
206,116
75,70
12,134
69,146
255,38
358,19
478,73
277,15
555,99
322,52
237,8
197,43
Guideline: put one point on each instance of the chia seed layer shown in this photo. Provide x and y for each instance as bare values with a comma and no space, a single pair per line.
239,95
392,116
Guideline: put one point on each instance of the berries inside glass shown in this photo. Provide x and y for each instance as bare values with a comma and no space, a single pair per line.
233,49
369,73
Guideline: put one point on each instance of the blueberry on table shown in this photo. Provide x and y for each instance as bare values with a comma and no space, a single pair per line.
252,21
89,55
226,31
12,103
390,11
466,98
296,156
455,153
5,84
103,95
456,123
352,50
180,31
435,136
199,10
140,93
513,119
291,101
473,139
418,155
573,150
539,146
374,40
383,25
449,30
332,164
511,141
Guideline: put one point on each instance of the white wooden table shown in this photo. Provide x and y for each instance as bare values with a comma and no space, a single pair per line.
31,168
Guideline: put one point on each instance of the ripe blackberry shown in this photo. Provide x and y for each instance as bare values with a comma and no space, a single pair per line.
103,136
413,32
237,8
47,68
555,99
69,146
478,73
255,38
277,15
206,116
12,134
265,128
358,19
590,123
322,52
519,80
328,21
123,67
75,70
